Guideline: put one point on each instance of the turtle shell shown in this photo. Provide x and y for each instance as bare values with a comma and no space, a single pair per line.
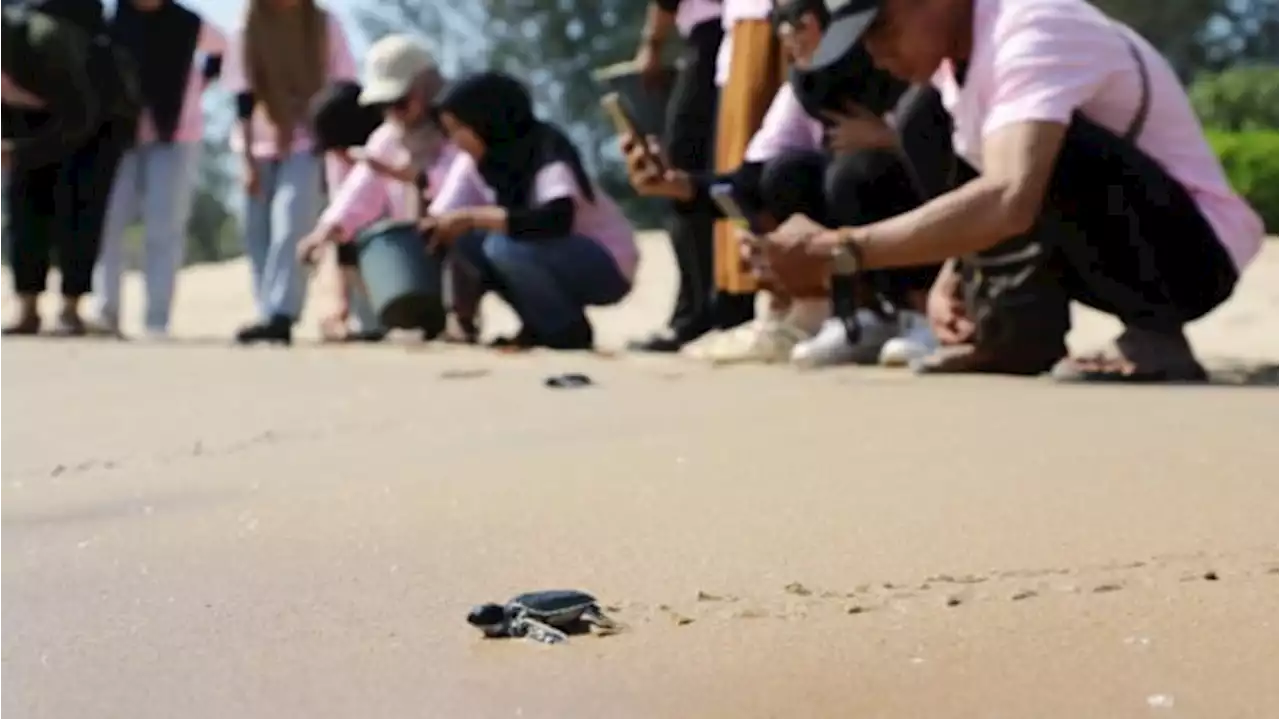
553,606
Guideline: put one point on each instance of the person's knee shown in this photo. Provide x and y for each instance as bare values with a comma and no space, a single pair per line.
791,183
867,186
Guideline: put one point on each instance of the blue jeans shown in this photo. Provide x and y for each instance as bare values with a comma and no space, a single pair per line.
548,282
286,207
155,183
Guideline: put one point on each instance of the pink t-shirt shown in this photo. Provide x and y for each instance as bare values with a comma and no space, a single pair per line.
601,220
362,195
693,13
735,10
1041,60
15,95
190,127
786,128
342,66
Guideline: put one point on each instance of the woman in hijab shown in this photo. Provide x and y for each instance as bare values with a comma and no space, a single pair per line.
288,51
550,242
176,54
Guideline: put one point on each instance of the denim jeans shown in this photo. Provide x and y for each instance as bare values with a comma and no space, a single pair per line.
155,183
286,207
548,282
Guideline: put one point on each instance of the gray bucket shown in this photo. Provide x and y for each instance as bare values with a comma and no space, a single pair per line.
403,280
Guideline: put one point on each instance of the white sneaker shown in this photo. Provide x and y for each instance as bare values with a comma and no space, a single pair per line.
914,341
767,342
831,345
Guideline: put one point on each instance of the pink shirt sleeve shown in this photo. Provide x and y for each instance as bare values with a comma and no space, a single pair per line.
554,182
364,196
786,127
1046,66
461,187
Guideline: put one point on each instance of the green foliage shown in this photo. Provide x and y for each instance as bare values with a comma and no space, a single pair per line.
1202,35
1238,100
1252,162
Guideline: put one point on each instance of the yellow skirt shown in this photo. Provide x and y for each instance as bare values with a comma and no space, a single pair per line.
756,71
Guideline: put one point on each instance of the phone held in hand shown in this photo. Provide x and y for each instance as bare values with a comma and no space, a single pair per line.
624,124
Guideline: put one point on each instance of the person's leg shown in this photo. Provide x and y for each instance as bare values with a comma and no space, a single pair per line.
257,230
548,282
170,173
32,212
295,209
87,177
924,133
122,210
690,134
1134,244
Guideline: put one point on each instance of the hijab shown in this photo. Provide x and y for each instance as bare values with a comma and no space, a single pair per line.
163,44
286,55
518,145
338,120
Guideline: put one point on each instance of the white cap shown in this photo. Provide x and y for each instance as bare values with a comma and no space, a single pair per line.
390,68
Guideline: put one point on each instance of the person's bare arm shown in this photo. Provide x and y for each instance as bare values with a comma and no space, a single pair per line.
1003,202
658,21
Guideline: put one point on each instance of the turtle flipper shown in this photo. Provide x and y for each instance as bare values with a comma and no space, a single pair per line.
603,624
537,631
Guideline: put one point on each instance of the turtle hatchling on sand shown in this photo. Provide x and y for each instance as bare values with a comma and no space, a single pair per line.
548,616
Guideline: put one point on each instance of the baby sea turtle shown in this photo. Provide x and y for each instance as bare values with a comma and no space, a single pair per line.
548,616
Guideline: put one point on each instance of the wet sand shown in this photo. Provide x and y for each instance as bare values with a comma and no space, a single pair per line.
192,530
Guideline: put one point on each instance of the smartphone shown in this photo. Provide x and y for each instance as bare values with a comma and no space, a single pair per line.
625,124
722,194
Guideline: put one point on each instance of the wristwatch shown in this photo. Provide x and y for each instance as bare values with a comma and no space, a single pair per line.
846,258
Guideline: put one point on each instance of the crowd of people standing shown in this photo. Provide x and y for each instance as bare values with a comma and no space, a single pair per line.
926,181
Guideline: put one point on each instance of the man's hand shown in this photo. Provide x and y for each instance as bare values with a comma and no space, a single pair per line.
858,129
649,172
946,310
797,255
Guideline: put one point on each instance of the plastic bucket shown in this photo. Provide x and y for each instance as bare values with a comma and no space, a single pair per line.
403,280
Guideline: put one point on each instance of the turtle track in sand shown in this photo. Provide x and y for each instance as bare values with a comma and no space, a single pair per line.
798,600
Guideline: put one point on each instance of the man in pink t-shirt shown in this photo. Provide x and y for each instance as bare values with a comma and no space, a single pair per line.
1088,178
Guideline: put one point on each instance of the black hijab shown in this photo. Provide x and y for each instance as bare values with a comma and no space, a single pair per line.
498,108
162,43
338,120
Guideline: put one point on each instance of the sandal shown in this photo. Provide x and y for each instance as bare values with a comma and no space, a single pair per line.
1136,357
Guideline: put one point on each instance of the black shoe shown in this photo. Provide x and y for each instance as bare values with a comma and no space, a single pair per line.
576,337
25,326
523,340
278,330
665,341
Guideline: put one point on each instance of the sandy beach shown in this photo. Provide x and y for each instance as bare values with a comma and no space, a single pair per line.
195,530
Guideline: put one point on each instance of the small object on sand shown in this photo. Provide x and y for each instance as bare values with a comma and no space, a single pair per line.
1104,588
548,616
1210,576
1023,594
953,601
568,381
797,589
1160,701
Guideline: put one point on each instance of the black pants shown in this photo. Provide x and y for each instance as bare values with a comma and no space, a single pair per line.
690,144
1117,233
848,190
60,208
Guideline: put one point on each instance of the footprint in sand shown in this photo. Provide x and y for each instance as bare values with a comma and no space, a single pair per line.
464,373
